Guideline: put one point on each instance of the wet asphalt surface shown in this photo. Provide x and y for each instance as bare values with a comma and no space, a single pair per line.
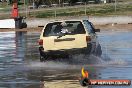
20,66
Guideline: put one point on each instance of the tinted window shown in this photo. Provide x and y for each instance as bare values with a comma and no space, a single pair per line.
52,29
75,27
71,27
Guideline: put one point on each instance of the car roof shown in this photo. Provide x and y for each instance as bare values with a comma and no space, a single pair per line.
66,20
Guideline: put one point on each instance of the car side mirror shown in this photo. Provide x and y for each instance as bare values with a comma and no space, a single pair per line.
97,30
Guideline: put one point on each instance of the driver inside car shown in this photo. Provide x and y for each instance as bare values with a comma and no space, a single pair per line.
58,28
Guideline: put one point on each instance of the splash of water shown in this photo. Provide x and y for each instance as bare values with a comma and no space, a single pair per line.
76,62
117,62
48,64
107,61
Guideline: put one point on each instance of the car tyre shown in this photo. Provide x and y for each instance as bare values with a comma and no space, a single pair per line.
88,50
42,59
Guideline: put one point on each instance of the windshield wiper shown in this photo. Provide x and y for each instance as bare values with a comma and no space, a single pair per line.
61,34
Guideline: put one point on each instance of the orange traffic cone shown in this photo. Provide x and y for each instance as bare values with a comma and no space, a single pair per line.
14,13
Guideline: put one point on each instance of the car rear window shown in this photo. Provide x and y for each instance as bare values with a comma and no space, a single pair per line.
72,27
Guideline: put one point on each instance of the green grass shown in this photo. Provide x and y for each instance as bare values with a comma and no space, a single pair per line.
101,10
3,5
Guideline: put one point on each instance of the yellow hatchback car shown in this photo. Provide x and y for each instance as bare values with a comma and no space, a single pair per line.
68,37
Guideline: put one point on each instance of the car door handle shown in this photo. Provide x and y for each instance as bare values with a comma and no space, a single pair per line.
66,39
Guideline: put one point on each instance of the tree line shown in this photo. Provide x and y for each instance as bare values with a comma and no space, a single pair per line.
37,3
49,2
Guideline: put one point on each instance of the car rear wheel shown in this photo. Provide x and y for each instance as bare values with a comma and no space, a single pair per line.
43,59
43,56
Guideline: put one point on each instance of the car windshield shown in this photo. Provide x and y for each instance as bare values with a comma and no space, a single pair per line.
89,26
67,27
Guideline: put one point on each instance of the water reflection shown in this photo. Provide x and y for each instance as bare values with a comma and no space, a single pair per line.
20,41
12,53
12,46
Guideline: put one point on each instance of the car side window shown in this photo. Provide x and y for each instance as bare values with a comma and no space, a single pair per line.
47,29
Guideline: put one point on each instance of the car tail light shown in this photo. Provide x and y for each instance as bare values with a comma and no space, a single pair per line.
88,38
40,42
